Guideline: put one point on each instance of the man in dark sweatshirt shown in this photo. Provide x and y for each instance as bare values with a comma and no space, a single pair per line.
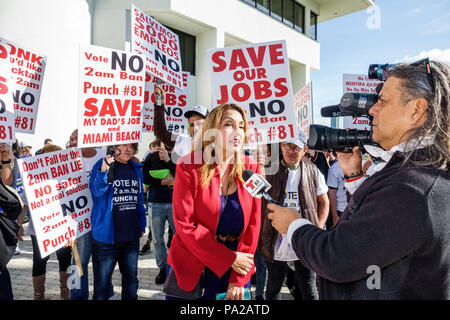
393,239
159,172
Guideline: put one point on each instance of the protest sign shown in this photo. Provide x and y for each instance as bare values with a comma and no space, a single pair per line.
25,84
159,45
58,196
177,101
358,83
303,106
6,103
257,78
111,93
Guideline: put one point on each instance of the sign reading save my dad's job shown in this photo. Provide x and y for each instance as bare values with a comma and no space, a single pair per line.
27,69
257,78
160,46
111,94
59,198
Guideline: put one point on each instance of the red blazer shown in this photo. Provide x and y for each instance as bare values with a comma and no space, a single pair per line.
196,216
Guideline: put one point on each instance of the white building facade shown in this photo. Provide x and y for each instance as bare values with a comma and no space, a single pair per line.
55,28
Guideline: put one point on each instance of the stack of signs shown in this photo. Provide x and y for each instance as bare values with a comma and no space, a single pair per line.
175,105
58,197
111,87
21,77
303,106
160,46
257,78
358,83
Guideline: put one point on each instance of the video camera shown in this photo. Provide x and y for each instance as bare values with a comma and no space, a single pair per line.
352,104
114,152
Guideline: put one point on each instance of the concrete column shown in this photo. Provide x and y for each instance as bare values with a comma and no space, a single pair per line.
214,38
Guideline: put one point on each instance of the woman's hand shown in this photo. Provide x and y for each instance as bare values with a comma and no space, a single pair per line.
243,263
234,292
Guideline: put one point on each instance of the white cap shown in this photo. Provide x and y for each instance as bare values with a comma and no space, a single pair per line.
24,144
301,141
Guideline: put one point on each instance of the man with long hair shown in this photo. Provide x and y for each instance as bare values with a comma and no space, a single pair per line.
393,239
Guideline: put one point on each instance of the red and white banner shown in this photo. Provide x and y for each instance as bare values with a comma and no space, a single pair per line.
303,106
59,198
176,104
27,71
358,83
159,45
6,103
257,78
111,94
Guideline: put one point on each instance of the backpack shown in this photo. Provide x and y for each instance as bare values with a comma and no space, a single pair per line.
12,205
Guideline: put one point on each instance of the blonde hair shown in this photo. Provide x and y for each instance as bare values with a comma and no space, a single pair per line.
204,141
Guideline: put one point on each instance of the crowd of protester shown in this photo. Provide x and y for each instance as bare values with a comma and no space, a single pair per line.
221,239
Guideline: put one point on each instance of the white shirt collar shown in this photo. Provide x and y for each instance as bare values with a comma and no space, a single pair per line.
378,152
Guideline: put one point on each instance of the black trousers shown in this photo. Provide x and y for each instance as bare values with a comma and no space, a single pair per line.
64,256
276,273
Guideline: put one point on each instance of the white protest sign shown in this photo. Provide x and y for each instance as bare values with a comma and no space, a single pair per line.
257,78
358,83
303,106
177,101
6,103
160,46
111,94
58,196
27,70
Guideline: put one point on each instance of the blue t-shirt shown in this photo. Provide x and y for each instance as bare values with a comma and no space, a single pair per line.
125,203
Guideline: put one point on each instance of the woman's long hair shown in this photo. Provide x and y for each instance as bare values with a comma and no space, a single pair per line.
205,142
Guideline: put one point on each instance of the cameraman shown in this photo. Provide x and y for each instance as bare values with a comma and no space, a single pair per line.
392,241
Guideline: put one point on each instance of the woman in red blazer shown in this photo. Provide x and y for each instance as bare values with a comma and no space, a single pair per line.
217,222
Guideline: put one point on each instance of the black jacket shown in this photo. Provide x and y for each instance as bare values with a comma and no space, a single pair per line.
158,193
397,221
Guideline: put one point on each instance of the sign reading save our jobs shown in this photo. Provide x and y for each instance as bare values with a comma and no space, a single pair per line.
175,105
257,78
58,196
160,46
303,106
27,71
358,83
111,94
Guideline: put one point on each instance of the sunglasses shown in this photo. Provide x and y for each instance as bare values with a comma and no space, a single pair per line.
291,147
425,61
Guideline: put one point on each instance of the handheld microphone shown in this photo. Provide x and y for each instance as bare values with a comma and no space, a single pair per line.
257,186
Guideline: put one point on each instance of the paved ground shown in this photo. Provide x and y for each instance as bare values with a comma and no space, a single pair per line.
20,270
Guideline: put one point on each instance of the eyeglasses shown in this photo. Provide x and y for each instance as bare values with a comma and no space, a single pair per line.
428,70
291,147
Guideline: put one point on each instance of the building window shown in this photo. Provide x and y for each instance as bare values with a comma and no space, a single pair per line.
289,12
313,26
299,17
187,50
276,9
263,5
